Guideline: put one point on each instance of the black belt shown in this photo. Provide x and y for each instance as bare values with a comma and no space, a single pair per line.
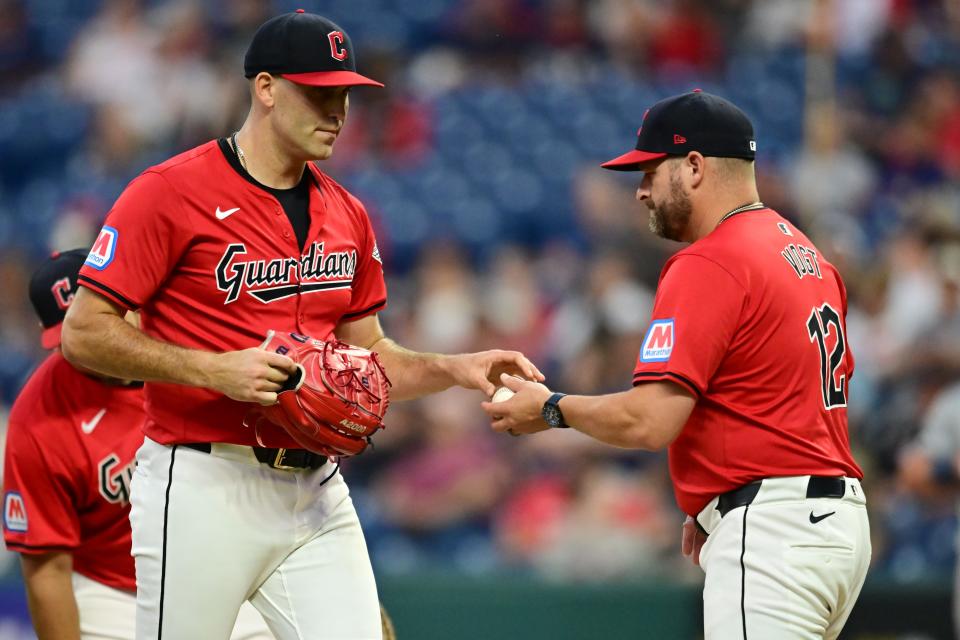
818,487
276,458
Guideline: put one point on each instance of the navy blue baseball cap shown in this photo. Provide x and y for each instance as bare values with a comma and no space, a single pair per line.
52,287
694,121
304,48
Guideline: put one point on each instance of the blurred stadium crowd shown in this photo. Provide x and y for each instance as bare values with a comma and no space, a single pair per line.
479,165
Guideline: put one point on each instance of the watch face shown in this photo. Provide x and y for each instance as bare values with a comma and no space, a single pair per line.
552,415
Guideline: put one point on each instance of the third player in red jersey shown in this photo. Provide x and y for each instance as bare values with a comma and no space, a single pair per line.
68,465
69,457
62,418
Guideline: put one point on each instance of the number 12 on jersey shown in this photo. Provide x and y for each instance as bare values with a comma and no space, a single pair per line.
824,323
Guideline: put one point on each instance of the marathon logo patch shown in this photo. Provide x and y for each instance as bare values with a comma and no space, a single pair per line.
658,343
101,255
14,512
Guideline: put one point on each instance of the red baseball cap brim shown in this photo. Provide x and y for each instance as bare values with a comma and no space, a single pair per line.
50,338
331,79
632,160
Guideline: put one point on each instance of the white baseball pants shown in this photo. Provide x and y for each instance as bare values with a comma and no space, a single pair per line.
211,531
785,566
110,614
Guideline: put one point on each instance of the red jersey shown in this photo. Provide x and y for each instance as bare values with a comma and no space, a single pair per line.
751,320
212,262
69,458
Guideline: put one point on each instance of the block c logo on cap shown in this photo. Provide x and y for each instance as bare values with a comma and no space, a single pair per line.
337,50
658,343
62,293
103,249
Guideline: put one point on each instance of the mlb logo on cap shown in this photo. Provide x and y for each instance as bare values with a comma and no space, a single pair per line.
103,249
658,343
14,512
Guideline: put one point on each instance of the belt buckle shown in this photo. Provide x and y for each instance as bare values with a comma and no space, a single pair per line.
278,461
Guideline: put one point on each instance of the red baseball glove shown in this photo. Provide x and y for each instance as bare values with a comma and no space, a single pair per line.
336,400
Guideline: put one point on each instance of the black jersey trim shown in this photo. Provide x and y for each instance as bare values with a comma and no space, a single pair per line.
686,382
365,312
38,548
93,284
234,162
163,553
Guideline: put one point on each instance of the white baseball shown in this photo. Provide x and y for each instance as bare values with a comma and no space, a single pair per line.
502,394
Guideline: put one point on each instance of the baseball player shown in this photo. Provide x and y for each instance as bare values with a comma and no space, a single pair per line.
69,458
744,374
216,247
930,466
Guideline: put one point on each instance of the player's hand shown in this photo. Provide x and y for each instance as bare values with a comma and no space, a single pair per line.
482,370
251,375
692,540
522,413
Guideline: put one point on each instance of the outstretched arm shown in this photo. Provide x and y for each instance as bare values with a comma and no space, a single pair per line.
95,336
648,416
416,374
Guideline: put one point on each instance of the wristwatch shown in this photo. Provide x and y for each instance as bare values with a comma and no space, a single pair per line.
551,412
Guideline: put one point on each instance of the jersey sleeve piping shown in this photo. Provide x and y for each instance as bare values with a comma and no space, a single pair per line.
653,376
107,292
37,548
365,312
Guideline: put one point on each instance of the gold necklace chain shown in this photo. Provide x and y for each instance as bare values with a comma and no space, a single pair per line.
744,207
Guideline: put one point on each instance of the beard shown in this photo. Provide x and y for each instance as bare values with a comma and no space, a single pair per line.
669,219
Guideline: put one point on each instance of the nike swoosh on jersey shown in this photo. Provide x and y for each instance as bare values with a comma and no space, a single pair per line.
223,215
88,427
815,519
